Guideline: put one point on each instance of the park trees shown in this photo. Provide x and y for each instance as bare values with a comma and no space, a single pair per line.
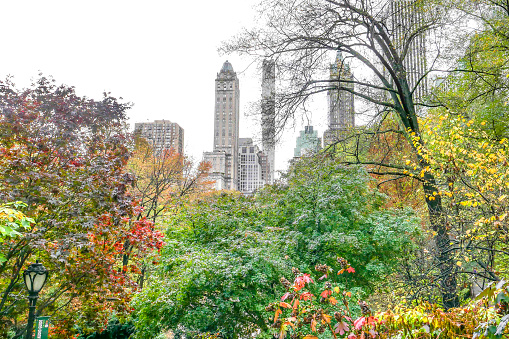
301,35
65,156
225,253
165,180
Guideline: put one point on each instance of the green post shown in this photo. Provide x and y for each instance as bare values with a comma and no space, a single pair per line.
42,328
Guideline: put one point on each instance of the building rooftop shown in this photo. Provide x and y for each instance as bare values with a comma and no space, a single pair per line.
227,67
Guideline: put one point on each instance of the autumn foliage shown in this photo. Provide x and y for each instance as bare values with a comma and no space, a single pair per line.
65,157
311,309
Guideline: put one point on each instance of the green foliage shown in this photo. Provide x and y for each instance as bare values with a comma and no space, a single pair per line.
12,219
114,330
225,254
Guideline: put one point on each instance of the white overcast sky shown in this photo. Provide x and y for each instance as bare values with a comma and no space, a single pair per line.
160,55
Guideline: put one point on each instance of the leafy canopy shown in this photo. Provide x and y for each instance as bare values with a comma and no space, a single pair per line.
225,254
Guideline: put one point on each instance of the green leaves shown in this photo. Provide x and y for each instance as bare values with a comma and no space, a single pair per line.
225,253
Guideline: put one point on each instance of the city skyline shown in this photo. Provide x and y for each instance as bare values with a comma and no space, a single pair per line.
134,61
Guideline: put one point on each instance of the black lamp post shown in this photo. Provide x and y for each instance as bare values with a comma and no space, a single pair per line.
35,278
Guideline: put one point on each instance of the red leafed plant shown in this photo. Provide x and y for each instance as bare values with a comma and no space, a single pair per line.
309,309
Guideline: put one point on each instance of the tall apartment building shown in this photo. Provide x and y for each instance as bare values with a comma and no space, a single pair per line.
307,142
162,134
341,113
269,115
224,157
406,19
252,167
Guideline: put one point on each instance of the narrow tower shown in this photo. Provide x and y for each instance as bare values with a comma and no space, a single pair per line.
224,157
269,116
341,113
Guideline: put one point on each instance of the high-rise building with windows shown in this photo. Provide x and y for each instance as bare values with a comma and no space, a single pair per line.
252,167
341,114
407,20
224,157
162,134
269,115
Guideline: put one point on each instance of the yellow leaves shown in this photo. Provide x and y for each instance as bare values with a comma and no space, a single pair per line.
407,162
336,289
458,263
326,318
502,217
502,197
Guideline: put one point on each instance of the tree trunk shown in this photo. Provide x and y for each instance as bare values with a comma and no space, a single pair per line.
438,223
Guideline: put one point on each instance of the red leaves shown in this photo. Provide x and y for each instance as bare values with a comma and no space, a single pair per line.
325,294
350,269
301,281
306,296
359,323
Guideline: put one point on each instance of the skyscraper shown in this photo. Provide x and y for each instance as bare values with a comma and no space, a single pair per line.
162,134
341,114
307,142
224,157
407,20
269,116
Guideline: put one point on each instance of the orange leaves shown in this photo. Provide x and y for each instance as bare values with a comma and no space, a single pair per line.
326,318
350,269
333,300
309,336
285,305
277,314
326,293
313,325
306,296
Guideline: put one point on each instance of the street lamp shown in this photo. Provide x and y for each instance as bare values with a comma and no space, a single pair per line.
35,278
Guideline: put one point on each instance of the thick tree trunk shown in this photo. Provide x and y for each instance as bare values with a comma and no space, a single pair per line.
445,261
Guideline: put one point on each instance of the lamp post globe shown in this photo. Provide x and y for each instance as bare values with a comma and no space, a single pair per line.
35,277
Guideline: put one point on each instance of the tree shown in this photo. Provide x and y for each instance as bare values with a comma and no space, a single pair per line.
65,156
225,253
164,178
300,35
164,181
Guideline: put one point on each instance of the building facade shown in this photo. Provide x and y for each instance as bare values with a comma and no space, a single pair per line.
269,116
251,167
341,111
407,19
162,134
226,129
307,142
